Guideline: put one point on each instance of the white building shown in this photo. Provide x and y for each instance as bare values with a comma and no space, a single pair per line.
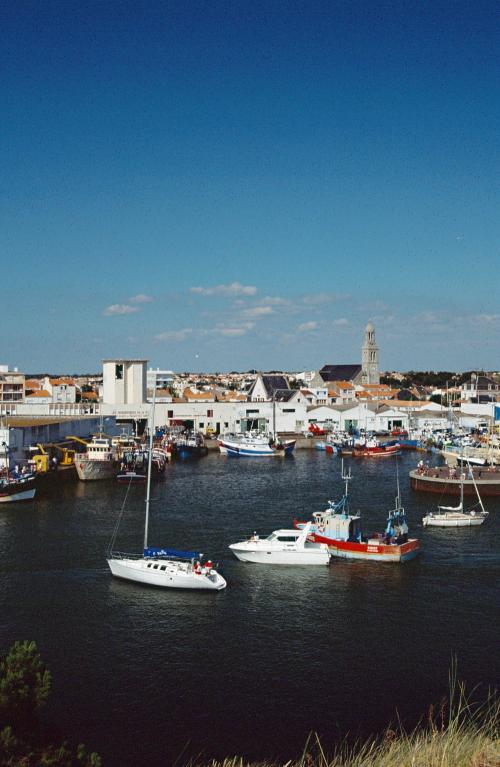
124,382
61,389
160,379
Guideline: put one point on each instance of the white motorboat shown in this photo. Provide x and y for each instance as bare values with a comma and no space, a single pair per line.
282,547
457,516
167,568
252,444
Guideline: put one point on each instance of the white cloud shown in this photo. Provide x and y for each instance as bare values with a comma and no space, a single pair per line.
487,319
233,289
258,311
306,326
141,298
275,301
341,322
173,335
316,299
118,309
234,331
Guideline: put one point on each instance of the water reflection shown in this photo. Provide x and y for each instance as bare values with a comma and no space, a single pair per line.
321,642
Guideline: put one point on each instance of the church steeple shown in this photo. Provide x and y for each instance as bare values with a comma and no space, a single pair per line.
369,355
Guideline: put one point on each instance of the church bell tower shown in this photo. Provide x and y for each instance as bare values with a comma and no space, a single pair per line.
369,351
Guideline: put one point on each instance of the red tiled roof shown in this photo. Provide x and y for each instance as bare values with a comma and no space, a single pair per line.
39,393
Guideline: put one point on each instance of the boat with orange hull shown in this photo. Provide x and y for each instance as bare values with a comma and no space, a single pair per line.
375,548
342,532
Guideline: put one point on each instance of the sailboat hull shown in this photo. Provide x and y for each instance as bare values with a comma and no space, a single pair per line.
166,574
453,520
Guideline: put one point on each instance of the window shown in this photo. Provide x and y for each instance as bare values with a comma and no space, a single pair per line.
289,410
118,372
170,414
202,425
210,413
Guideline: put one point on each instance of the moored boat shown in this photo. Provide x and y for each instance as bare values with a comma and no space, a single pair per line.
134,465
17,488
458,516
251,444
452,518
101,460
375,449
189,445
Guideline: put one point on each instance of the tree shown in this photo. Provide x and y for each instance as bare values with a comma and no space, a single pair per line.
25,684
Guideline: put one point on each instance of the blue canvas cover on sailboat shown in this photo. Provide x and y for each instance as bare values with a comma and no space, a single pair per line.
161,552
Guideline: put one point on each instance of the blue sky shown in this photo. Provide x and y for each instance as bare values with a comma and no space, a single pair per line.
230,185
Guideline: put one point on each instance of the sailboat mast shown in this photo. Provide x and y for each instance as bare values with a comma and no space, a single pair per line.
477,490
462,472
274,415
398,496
150,459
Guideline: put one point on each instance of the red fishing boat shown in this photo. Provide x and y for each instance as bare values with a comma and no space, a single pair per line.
341,530
374,449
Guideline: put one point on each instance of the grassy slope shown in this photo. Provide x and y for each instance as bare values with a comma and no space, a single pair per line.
458,735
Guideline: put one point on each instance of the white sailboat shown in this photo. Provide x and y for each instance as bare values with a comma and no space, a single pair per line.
456,516
167,568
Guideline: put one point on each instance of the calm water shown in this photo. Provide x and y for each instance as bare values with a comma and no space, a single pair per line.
144,675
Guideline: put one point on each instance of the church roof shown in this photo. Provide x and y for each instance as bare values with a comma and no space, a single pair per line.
274,382
271,383
284,395
340,372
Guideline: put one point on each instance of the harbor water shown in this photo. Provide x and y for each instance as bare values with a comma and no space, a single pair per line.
147,676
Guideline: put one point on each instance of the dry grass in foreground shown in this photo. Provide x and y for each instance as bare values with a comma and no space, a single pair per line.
457,735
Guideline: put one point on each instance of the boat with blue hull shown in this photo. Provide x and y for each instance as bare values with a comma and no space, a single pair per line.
189,445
